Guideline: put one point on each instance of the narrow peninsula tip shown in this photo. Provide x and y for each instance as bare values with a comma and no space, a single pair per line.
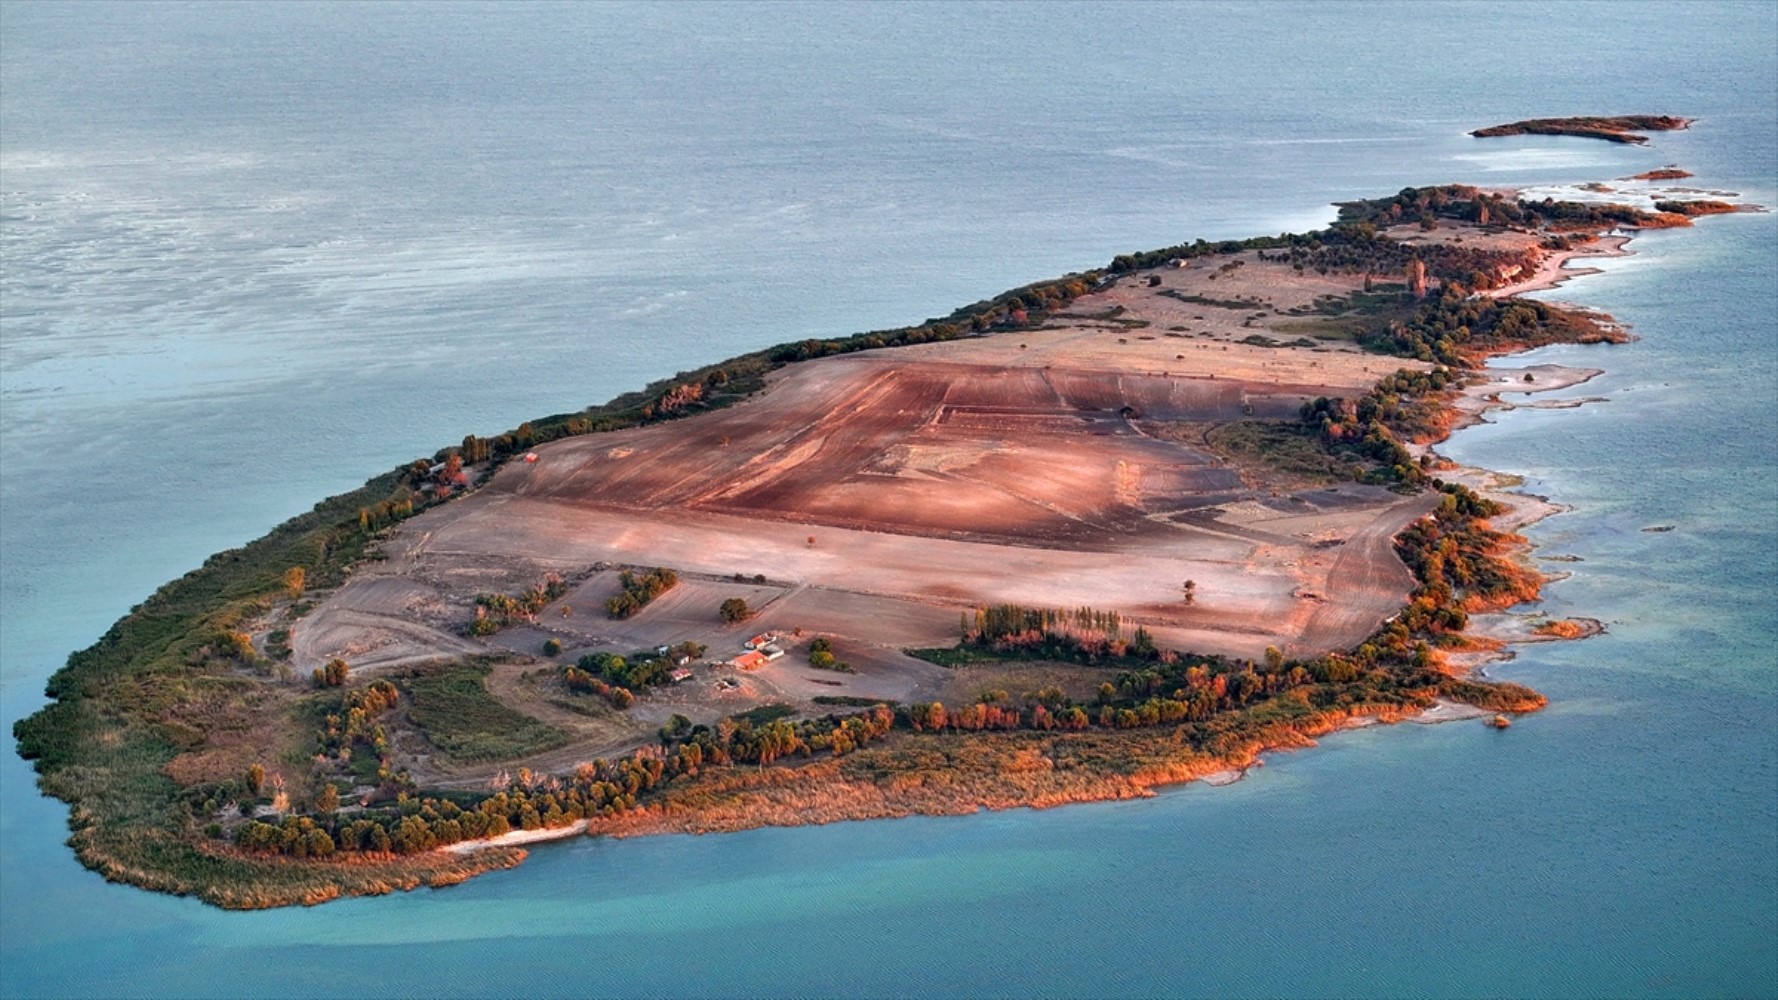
1625,128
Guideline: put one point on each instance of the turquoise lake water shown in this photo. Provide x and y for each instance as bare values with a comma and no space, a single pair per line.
254,254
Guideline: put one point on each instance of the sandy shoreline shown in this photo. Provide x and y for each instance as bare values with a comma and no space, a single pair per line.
1439,712
1553,271
519,837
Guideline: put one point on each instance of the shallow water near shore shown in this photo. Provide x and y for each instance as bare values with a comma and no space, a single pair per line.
217,311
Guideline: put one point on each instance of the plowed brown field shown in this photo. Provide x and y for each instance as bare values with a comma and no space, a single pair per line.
881,494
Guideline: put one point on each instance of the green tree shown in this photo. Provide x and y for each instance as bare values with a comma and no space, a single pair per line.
317,843
735,610
255,778
333,674
676,727
1142,644
240,646
608,665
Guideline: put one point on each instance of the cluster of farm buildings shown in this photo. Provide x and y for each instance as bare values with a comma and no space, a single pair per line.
761,649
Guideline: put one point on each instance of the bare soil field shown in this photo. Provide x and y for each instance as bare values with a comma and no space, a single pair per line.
873,498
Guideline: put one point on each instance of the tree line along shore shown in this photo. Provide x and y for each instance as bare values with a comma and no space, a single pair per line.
181,672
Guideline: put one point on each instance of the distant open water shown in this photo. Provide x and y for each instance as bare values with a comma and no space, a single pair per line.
254,254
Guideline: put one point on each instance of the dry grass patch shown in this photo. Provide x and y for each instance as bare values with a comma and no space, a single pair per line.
1020,680
1276,455
452,707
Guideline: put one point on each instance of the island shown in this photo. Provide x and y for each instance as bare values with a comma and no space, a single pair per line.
1126,528
1625,128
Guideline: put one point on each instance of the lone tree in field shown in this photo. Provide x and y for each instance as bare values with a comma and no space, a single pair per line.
1191,591
735,610
332,675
